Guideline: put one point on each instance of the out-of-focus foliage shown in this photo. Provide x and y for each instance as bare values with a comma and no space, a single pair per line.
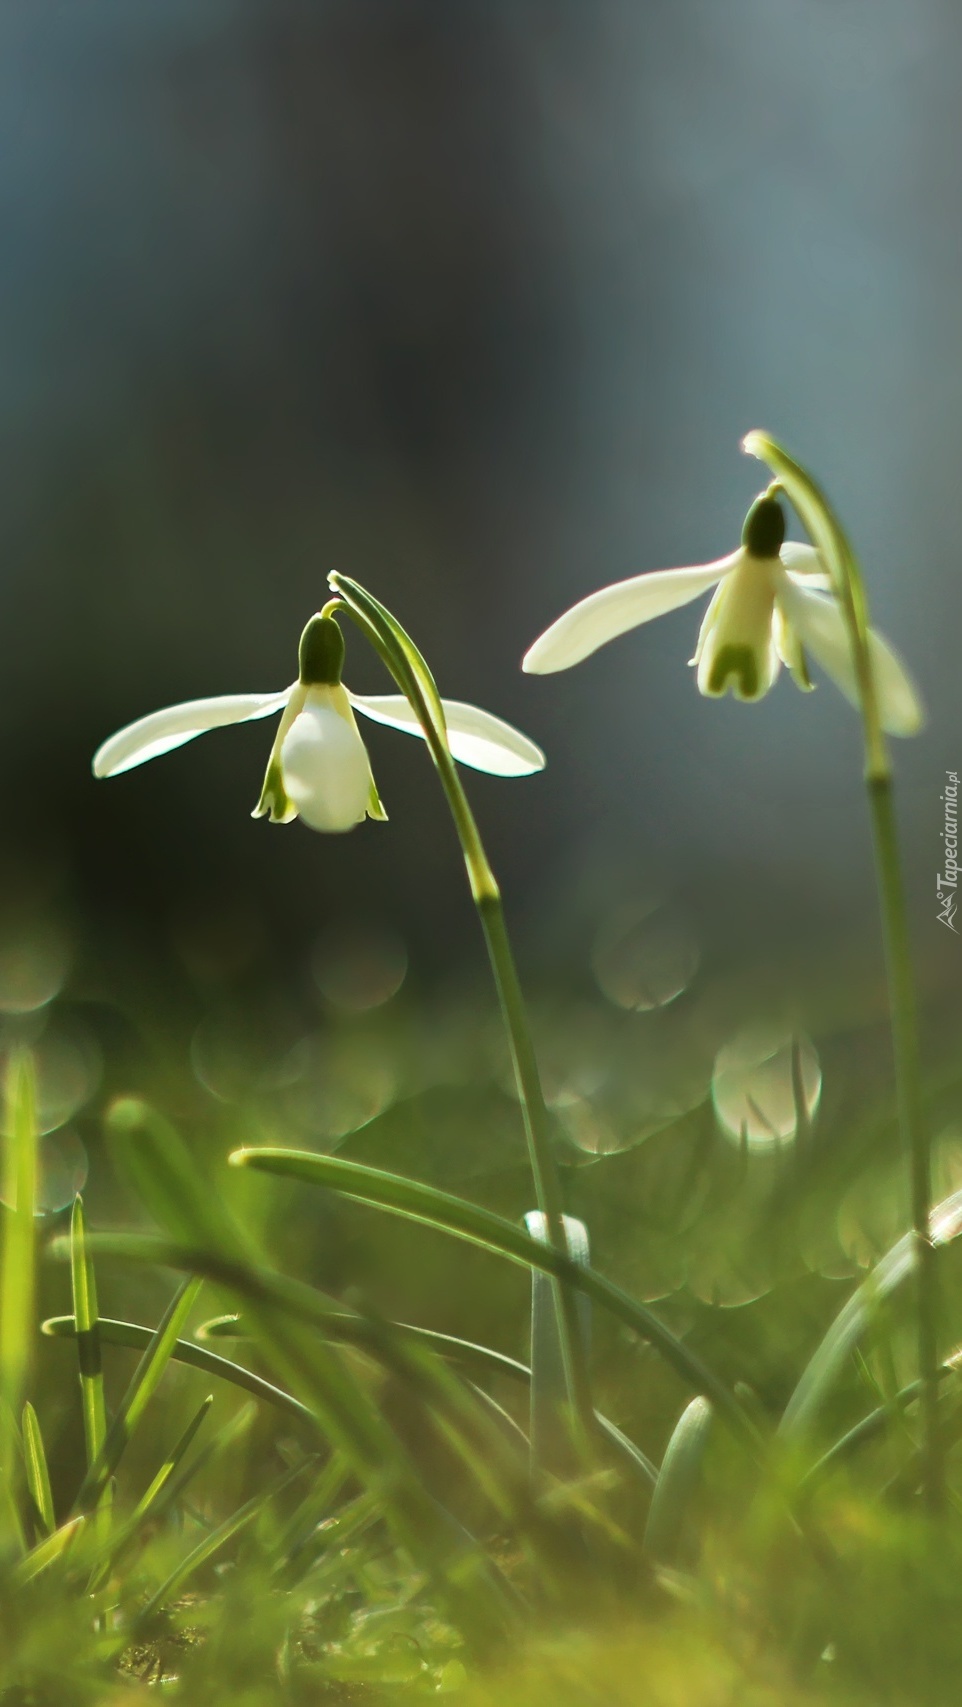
738,1171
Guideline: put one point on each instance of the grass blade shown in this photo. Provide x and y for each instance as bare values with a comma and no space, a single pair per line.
482,1359
38,1475
831,1355
297,1532
212,1544
48,1551
166,1177
353,1330
454,1411
143,1385
550,1431
131,1334
454,1215
677,1481
84,1289
18,1267
356,1330
159,1495
164,1172
170,1464
868,1428
182,1475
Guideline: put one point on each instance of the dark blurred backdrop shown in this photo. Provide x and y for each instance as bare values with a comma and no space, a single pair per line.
473,301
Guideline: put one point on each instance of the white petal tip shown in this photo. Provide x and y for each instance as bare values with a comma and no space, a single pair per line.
535,663
906,721
476,738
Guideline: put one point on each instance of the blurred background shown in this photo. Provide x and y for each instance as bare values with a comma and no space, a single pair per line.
473,302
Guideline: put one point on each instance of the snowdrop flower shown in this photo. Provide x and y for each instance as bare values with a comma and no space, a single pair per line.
318,768
772,604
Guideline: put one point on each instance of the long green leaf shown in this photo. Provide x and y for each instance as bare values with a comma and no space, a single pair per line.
550,1421
356,1330
868,1428
49,1551
143,1385
347,1415
482,1358
165,1175
213,1542
84,1288
301,1301
177,1452
454,1215
833,1352
458,1413
131,1334
38,1475
677,1480
17,1271
151,1503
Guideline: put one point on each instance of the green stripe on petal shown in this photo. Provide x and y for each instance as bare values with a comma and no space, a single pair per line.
274,802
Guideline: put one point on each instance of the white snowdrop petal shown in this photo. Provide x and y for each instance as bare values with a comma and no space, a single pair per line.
162,731
325,768
820,626
476,737
806,565
614,610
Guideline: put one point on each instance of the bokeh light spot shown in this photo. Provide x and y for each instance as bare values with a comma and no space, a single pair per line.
586,1128
68,1068
644,957
62,1166
765,1078
329,1089
33,969
359,966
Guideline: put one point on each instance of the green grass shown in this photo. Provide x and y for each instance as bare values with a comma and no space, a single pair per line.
273,1444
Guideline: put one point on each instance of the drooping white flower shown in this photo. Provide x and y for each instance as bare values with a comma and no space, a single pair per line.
318,769
772,605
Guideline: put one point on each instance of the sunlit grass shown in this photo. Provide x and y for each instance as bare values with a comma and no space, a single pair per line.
267,1538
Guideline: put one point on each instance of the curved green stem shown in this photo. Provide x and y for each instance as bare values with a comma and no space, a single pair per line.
914,1131
830,539
416,682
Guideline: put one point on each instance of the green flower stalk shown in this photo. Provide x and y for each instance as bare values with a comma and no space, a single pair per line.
776,602
413,676
872,685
